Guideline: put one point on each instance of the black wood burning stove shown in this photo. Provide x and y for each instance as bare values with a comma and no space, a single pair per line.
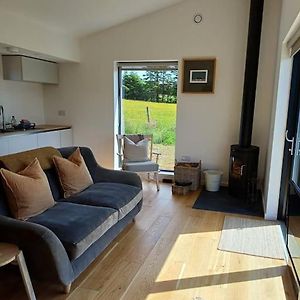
243,171
243,162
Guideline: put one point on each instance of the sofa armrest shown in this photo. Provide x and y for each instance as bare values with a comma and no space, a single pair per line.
106,175
45,255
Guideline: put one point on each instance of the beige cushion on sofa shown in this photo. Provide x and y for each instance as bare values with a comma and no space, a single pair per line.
136,151
73,173
28,191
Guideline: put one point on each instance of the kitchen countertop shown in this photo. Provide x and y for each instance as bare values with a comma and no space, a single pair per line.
37,129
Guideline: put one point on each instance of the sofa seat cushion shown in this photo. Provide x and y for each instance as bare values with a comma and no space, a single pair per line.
77,226
122,197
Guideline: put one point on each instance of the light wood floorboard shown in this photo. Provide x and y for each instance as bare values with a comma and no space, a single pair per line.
170,252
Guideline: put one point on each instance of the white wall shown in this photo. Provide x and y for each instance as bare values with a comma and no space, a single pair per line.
290,10
206,124
22,99
16,30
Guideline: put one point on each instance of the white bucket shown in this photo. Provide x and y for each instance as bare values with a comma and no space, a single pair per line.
213,180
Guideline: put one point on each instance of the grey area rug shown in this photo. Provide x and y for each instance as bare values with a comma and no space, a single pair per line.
252,237
222,201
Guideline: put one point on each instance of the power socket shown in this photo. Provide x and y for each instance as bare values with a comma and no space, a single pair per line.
185,158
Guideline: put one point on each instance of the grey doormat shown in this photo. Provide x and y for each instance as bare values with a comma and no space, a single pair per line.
252,237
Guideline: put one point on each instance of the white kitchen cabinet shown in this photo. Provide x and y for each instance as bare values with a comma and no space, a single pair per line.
4,146
23,68
22,143
35,70
46,139
66,138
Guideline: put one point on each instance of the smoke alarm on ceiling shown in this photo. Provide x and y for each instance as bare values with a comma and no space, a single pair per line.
197,18
13,49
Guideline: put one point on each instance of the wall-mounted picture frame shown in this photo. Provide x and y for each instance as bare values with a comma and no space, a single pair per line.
198,75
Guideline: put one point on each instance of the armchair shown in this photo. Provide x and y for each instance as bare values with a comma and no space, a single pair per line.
148,164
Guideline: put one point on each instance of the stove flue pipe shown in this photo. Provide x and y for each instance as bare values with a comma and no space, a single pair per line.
251,69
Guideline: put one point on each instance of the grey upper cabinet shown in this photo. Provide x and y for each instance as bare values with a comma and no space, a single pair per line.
23,68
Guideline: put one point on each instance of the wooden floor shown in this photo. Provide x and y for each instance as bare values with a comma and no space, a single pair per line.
170,252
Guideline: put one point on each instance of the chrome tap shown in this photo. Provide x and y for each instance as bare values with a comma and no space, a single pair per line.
3,119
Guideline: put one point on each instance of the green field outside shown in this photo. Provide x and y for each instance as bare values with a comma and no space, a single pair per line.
162,120
162,125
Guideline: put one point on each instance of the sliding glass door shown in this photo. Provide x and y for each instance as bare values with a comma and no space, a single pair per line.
289,208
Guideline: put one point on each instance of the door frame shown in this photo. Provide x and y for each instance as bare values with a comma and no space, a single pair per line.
135,66
291,127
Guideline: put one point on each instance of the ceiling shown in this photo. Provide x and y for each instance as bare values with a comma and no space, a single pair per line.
82,17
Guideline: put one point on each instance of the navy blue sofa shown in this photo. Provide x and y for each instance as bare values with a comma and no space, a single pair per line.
62,241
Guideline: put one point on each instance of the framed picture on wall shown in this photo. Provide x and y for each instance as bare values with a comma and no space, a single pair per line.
198,75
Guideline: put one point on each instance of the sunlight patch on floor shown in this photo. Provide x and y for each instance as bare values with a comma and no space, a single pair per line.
188,272
213,290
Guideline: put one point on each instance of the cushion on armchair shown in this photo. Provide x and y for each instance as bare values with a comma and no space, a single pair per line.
136,151
141,166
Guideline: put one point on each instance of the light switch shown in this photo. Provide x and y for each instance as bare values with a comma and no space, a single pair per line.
62,113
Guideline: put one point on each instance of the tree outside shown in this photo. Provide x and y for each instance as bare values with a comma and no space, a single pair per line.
149,107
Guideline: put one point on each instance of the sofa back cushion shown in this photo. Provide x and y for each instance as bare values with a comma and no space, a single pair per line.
28,191
54,183
4,209
19,161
